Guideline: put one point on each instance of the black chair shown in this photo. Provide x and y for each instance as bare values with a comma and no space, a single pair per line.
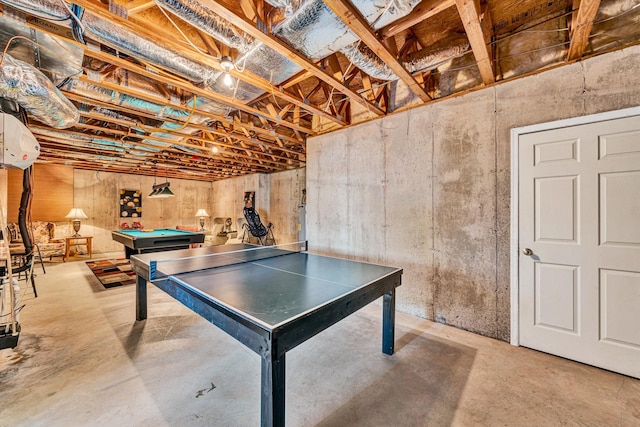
255,227
19,260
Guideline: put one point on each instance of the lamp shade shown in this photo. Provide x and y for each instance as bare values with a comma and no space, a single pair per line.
165,192
76,213
202,212
161,191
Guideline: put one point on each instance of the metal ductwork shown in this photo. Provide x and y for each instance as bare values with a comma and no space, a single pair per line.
85,141
202,18
45,52
364,58
430,59
120,39
309,26
160,111
253,55
34,92
142,48
313,28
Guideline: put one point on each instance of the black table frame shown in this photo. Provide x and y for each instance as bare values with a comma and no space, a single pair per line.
140,245
272,345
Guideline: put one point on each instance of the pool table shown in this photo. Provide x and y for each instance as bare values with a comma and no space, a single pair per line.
160,239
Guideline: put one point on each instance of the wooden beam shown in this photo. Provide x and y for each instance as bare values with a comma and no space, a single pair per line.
334,66
55,152
218,7
368,88
272,109
249,9
469,11
298,78
426,9
171,142
329,102
210,43
137,6
408,46
390,44
94,7
283,111
356,22
583,22
134,124
188,86
296,114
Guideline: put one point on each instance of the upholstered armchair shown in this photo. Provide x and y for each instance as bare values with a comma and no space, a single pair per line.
45,245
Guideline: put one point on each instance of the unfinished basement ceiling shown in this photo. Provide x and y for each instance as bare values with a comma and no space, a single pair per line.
140,87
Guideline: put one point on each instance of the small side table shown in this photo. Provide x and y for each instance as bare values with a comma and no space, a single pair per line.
75,241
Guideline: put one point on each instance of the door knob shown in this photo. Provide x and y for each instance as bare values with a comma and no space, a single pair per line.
527,251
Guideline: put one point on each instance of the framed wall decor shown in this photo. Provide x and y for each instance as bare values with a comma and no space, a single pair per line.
130,204
249,199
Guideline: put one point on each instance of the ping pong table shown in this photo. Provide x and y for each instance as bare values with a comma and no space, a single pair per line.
268,298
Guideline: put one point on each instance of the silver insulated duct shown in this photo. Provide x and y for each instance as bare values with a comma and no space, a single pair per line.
311,28
253,55
315,30
33,91
120,39
364,58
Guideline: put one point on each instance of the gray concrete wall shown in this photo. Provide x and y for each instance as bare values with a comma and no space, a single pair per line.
97,193
428,189
228,197
285,190
277,199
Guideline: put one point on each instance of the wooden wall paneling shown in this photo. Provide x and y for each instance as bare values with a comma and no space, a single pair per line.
52,193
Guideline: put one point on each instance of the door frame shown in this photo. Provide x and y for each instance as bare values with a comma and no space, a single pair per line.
515,196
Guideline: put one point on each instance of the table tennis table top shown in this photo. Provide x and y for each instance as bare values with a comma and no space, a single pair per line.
268,287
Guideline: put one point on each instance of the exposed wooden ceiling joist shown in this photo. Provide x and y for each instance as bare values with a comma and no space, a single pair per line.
581,28
356,22
138,6
288,52
177,45
265,128
240,126
478,27
426,9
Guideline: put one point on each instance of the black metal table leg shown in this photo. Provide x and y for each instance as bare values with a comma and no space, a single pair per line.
388,321
141,298
272,400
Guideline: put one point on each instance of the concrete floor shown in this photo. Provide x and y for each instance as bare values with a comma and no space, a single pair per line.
82,360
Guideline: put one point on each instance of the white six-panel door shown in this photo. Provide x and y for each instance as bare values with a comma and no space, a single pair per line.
579,243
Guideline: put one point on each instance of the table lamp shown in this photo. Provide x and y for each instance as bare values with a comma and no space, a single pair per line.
76,214
202,214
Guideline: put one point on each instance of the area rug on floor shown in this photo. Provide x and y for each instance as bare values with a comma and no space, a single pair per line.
113,272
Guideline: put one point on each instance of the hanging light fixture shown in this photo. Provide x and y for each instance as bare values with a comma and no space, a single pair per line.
165,191
227,65
160,191
155,190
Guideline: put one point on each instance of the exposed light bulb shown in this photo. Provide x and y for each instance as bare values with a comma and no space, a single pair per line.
227,80
214,149
226,63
